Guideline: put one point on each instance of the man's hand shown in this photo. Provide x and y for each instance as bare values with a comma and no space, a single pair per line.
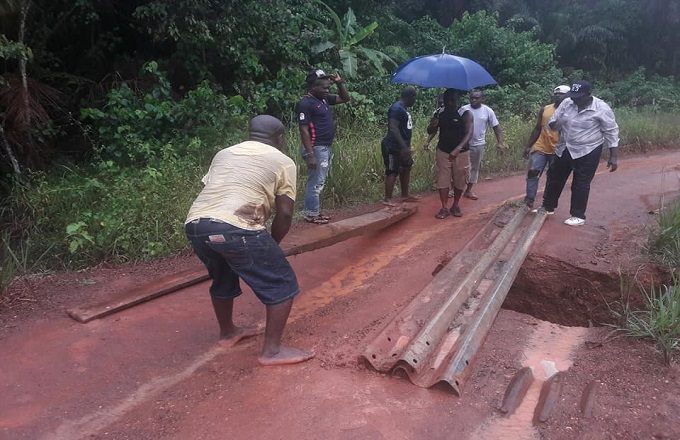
311,161
612,165
335,78
526,153
426,146
454,154
405,156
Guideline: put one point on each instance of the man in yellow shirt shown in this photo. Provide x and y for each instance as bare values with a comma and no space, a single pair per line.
226,228
540,149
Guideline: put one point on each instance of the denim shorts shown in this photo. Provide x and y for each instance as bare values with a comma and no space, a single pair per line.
230,253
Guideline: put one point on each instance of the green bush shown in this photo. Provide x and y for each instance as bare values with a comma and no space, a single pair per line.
135,127
110,213
640,90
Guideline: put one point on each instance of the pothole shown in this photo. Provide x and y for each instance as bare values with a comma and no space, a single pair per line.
554,290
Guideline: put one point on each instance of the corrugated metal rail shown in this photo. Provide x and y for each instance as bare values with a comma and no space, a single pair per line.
435,337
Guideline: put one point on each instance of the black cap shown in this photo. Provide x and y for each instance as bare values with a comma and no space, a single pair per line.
315,74
579,89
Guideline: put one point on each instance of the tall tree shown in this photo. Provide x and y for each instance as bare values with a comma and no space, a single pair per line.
451,10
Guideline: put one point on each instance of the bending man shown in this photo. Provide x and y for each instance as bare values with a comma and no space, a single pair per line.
226,228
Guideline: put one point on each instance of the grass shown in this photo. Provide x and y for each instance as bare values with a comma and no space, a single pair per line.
643,130
658,322
664,242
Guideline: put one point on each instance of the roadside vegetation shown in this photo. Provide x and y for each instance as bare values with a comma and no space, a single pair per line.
104,139
658,320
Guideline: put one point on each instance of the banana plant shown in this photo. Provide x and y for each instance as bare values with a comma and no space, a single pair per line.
346,38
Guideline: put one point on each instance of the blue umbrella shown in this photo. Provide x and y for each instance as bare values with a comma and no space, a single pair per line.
442,70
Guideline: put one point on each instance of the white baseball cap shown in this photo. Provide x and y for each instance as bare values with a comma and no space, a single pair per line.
562,89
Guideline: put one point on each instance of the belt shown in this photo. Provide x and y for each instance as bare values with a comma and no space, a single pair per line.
207,219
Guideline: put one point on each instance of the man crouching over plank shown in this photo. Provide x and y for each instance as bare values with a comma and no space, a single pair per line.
226,228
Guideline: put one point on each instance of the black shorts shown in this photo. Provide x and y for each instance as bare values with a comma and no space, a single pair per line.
394,164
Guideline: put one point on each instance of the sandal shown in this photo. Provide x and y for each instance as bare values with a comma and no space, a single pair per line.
455,211
443,213
323,217
318,220
470,195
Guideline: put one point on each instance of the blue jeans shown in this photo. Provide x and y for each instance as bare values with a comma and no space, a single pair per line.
231,254
537,163
316,180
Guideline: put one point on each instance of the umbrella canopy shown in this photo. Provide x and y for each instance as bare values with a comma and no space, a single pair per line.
442,70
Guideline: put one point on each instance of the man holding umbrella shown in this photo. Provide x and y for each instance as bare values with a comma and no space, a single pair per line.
452,162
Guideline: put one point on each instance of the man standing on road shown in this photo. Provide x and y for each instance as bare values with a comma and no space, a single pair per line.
540,149
317,131
396,146
226,228
585,123
452,163
484,117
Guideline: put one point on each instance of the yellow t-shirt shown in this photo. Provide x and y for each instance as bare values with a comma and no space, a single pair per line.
242,184
547,139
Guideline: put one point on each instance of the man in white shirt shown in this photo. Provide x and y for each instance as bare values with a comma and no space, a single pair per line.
585,124
484,117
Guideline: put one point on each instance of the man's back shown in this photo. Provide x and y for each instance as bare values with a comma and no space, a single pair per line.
242,183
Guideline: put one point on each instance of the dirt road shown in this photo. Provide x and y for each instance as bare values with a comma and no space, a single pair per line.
156,372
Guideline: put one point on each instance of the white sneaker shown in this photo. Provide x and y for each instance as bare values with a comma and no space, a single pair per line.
574,221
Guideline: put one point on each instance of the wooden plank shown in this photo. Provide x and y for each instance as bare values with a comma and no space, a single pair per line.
296,243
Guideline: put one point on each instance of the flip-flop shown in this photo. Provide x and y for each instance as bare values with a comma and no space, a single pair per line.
443,213
323,217
316,220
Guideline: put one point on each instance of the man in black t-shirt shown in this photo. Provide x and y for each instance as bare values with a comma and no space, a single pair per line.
396,146
317,131
452,163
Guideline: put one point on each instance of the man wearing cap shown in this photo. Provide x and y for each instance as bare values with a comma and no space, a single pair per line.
540,148
226,228
484,117
317,131
585,124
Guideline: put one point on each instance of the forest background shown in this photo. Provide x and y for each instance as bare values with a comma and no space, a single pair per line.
111,110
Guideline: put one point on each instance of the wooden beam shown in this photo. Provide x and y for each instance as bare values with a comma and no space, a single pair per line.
295,243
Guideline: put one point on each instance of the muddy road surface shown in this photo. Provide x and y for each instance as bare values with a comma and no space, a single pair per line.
155,371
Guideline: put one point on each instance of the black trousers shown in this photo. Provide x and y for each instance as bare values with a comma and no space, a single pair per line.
584,170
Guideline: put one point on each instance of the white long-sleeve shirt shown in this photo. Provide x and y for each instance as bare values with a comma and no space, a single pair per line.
582,132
